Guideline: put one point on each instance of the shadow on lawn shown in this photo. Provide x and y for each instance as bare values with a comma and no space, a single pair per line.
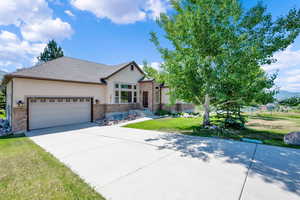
12,136
267,118
273,164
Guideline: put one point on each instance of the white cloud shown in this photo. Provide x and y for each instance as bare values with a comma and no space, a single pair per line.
69,12
122,11
292,78
285,59
36,23
118,11
15,52
292,87
156,65
156,7
23,11
34,18
46,30
288,66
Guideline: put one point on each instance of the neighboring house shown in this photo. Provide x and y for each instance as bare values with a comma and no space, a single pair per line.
68,91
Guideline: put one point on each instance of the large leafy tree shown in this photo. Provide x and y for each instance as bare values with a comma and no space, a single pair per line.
218,49
158,75
51,51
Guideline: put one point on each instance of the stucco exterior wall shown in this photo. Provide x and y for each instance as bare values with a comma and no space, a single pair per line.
165,96
30,87
125,76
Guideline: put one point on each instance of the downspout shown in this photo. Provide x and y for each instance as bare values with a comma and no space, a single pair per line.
152,96
160,97
11,102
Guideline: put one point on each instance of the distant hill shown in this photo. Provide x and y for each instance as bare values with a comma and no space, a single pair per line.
283,94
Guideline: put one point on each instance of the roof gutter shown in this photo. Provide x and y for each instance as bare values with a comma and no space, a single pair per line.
8,77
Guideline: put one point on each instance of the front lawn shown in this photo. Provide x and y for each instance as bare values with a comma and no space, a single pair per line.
268,127
168,124
27,172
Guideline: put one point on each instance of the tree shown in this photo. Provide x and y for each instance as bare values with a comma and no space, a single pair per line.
217,52
150,72
51,51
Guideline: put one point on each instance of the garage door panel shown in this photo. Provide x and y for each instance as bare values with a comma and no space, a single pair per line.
43,114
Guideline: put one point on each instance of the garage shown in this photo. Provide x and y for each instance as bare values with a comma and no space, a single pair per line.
57,111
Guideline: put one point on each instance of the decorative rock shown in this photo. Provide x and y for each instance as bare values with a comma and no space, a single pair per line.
292,138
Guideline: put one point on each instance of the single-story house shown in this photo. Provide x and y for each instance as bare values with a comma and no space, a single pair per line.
69,90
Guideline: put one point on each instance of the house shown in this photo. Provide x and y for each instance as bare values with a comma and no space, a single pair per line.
68,91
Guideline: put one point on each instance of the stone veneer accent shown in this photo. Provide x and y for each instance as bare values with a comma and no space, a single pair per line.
99,110
121,107
19,119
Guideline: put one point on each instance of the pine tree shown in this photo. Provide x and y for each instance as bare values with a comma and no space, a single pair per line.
51,51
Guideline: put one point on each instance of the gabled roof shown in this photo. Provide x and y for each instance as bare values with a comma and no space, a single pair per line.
71,69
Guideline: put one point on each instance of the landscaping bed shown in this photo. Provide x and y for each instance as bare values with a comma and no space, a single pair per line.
270,128
28,172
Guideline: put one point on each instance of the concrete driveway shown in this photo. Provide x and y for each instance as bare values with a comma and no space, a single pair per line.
131,164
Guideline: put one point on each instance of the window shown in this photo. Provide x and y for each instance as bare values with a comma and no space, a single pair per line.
125,86
125,93
134,97
116,96
116,85
132,67
126,96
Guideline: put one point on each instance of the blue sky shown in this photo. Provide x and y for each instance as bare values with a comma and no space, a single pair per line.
107,31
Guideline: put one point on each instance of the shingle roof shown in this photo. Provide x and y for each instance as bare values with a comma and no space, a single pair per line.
70,69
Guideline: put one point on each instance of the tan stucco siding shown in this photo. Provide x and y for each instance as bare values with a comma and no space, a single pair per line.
165,98
30,87
125,76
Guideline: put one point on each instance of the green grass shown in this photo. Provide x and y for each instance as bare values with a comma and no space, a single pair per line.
267,127
168,124
27,172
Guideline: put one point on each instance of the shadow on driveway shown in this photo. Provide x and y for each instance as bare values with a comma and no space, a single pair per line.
60,129
272,164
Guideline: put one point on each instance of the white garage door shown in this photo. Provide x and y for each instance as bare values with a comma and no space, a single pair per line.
46,112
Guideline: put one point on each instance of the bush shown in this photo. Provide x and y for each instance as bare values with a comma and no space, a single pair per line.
162,112
234,123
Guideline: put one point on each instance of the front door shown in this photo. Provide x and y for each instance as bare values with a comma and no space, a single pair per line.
145,99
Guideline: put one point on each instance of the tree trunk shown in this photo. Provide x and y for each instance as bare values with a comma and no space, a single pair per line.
206,121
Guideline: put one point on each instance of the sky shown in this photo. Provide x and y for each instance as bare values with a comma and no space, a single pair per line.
109,32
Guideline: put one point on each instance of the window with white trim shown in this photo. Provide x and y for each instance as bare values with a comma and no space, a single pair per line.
125,93
117,96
